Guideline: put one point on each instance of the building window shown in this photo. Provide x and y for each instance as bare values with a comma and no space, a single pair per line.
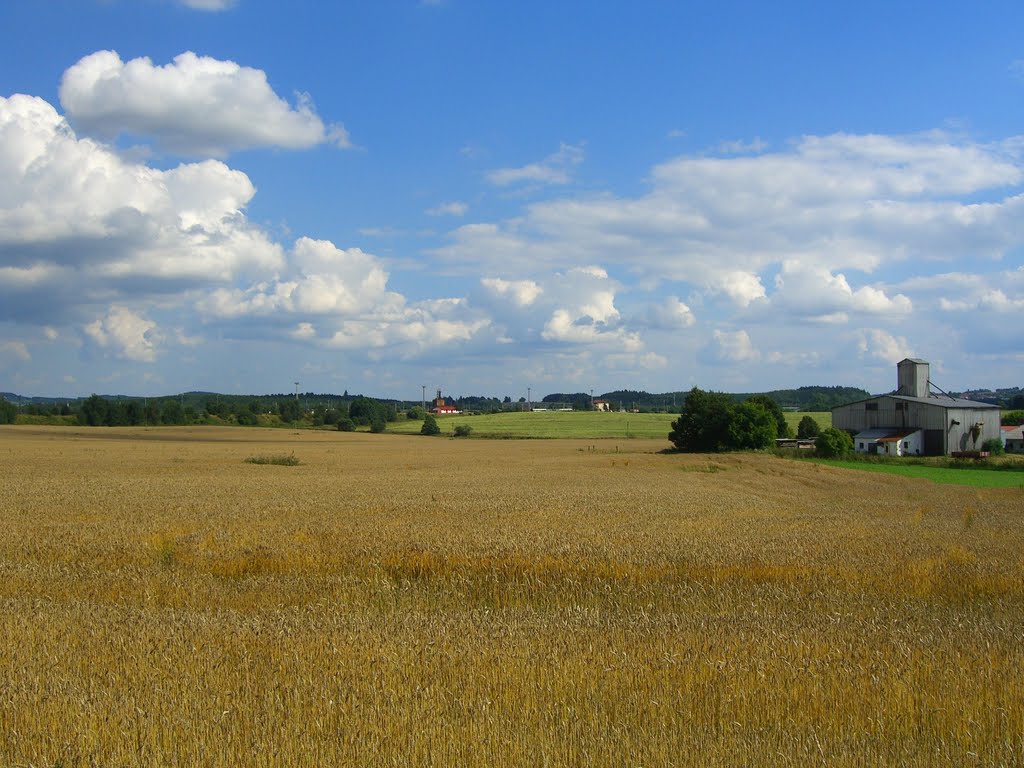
870,406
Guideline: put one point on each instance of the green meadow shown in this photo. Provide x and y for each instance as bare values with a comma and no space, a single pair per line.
569,424
997,476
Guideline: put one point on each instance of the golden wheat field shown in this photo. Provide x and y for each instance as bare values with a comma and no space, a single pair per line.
400,600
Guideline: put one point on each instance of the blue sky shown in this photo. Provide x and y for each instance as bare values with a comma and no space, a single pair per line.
485,197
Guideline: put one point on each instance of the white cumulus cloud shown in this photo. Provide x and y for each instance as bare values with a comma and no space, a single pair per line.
670,314
522,292
127,333
812,291
728,347
878,345
196,105
79,224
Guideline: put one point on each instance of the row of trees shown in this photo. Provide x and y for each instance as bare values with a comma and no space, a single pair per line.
8,412
97,411
712,421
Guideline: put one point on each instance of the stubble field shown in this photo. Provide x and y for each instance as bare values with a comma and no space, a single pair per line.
400,600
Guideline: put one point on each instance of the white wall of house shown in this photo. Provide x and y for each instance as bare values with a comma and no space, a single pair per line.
911,445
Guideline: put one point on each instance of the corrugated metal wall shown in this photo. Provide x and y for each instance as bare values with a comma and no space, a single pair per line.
959,437
889,412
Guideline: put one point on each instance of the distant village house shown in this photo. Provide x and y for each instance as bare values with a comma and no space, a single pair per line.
441,406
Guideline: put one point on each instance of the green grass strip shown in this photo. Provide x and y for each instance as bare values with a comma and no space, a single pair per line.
975,478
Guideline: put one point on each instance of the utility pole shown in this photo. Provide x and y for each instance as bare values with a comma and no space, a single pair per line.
423,399
296,391
529,402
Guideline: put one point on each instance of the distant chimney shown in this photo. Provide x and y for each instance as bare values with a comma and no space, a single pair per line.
912,376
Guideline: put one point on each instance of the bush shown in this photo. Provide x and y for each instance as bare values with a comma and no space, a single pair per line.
994,446
1013,418
415,413
430,426
281,460
378,424
8,412
808,428
345,424
832,443
463,430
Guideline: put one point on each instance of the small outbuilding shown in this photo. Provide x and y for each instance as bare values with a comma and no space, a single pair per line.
889,442
943,424
1013,439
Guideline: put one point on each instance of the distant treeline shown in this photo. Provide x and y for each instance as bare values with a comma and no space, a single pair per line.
205,408
802,399
1005,398
318,409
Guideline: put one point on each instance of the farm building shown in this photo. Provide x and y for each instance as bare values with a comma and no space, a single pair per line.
602,405
1013,439
915,421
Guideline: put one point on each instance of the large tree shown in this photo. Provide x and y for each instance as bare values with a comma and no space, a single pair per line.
769,404
703,425
712,421
808,428
752,427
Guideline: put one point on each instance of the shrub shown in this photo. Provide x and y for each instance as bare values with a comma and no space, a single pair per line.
1013,418
808,428
280,460
832,443
345,424
8,412
247,419
994,446
463,430
430,426
378,424
415,413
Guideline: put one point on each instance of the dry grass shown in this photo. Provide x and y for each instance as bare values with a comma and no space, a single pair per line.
403,601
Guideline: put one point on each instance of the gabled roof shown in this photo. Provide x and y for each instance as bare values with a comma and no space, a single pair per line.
884,435
895,437
941,401
944,401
